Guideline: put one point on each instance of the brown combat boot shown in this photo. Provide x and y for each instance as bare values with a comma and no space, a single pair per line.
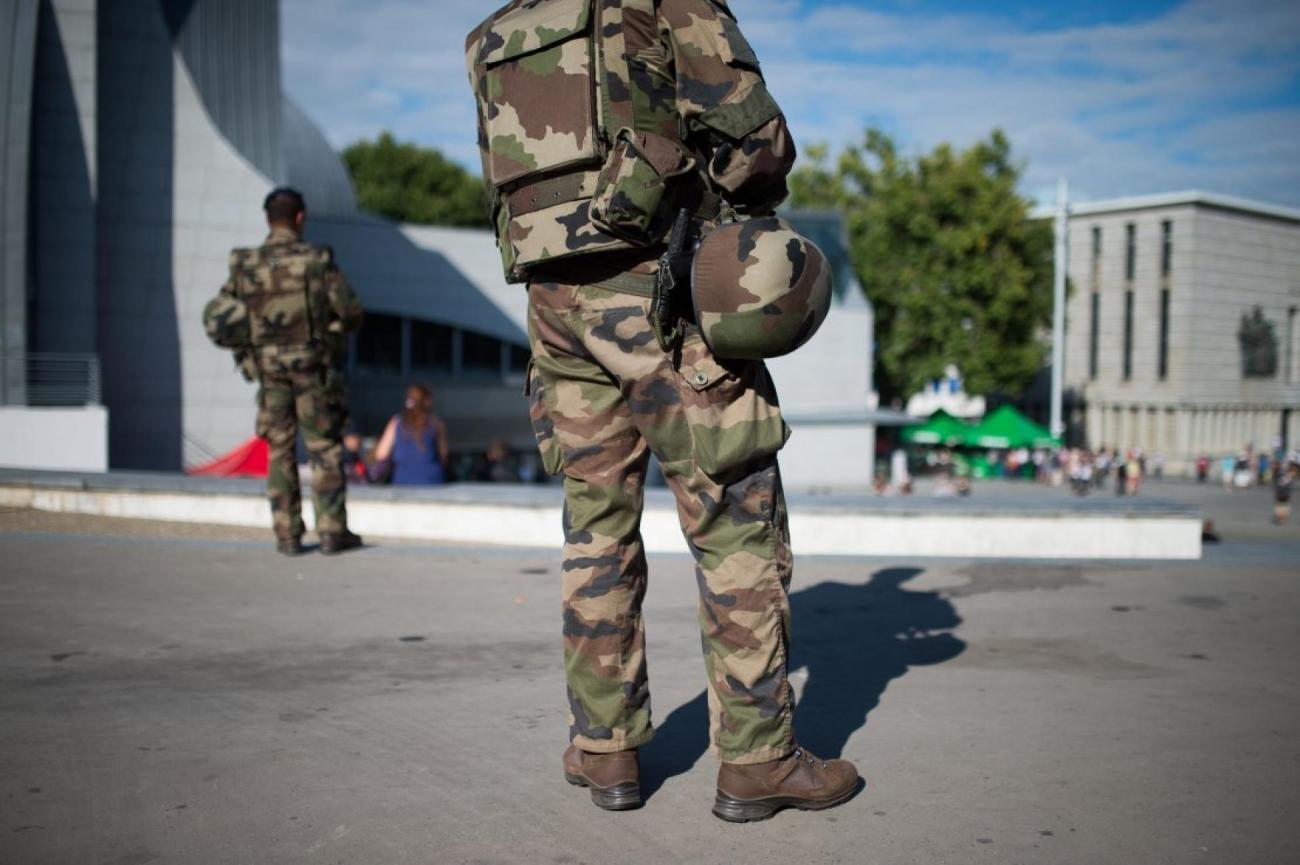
803,781
333,543
288,546
614,778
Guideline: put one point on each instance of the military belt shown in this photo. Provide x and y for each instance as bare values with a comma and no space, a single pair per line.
553,191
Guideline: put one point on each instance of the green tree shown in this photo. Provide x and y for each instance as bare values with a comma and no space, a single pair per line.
946,250
410,183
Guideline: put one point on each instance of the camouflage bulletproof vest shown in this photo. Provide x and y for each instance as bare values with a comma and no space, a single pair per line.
581,143
283,287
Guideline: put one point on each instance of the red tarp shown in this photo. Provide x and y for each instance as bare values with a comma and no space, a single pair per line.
249,460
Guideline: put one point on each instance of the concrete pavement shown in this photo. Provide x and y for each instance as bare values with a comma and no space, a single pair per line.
182,695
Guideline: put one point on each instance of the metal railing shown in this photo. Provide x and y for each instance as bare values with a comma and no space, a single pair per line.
195,452
50,379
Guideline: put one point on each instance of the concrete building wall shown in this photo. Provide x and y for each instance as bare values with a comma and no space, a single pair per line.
217,207
18,20
64,309
1227,258
138,325
1242,261
54,439
190,117
826,392
231,50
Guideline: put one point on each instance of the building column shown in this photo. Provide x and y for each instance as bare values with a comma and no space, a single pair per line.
1182,435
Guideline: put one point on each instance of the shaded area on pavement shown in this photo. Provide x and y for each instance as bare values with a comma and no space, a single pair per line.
852,641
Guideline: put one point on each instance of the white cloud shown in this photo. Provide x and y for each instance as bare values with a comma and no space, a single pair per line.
1201,97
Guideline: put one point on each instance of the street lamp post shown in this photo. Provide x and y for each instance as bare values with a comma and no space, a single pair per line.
1058,308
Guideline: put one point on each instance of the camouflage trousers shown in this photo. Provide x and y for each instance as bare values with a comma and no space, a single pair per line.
603,397
298,392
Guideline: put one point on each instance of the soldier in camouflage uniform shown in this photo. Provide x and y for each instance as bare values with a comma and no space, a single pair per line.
598,120
299,311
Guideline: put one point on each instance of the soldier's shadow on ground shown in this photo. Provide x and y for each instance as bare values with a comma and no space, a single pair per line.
852,641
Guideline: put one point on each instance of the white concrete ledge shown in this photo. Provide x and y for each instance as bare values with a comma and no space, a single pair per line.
823,528
60,439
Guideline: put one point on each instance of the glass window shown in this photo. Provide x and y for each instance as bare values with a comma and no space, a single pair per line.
1130,252
1166,248
1128,335
519,358
1290,345
1164,334
1095,272
480,353
431,346
379,343
1094,336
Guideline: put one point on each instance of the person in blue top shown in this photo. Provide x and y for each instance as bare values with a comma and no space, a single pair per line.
415,441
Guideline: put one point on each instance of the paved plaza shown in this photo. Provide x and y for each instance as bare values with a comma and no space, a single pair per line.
180,694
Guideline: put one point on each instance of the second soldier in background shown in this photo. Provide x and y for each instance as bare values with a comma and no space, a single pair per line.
599,123
286,311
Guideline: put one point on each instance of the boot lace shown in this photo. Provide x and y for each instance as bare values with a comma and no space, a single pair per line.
804,755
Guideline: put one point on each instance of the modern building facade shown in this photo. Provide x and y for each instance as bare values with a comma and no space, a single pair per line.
1182,336
139,138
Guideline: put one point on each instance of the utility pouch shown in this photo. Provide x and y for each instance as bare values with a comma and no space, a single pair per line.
634,194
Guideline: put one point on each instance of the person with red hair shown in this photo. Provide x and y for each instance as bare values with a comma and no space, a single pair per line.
414,443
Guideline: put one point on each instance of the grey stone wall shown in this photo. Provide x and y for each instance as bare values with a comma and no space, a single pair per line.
17,67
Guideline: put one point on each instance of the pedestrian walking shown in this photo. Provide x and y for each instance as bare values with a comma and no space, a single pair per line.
615,137
1283,485
1228,469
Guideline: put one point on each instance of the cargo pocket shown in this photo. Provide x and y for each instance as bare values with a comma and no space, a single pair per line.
731,410
262,426
634,195
539,413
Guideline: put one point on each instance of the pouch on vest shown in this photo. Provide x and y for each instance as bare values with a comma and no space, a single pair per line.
275,289
541,91
544,146
634,195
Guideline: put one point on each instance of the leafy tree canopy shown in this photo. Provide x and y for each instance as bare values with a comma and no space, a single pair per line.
945,248
410,183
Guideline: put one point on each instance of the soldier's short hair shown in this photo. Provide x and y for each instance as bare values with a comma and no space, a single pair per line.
283,204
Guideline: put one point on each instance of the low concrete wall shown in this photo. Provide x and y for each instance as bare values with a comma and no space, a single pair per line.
57,439
826,454
531,519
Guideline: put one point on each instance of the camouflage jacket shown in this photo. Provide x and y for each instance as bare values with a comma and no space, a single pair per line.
295,296
585,105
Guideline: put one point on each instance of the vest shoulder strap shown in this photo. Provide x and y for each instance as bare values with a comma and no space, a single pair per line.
618,39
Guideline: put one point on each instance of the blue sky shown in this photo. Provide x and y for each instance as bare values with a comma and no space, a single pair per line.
1121,98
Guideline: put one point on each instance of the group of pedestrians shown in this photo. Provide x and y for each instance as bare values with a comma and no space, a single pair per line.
1248,467
1090,470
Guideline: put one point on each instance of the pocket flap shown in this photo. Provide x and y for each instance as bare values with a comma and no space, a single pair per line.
532,28
699,368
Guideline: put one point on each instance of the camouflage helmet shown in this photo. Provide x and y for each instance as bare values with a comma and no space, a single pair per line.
760,288
225,318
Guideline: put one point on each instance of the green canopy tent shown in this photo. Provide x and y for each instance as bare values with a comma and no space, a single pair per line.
1008,428
941,429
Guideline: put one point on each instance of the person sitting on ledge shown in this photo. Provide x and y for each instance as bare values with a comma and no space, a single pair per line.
415,442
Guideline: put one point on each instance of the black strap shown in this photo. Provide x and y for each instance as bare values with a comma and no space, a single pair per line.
541,194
